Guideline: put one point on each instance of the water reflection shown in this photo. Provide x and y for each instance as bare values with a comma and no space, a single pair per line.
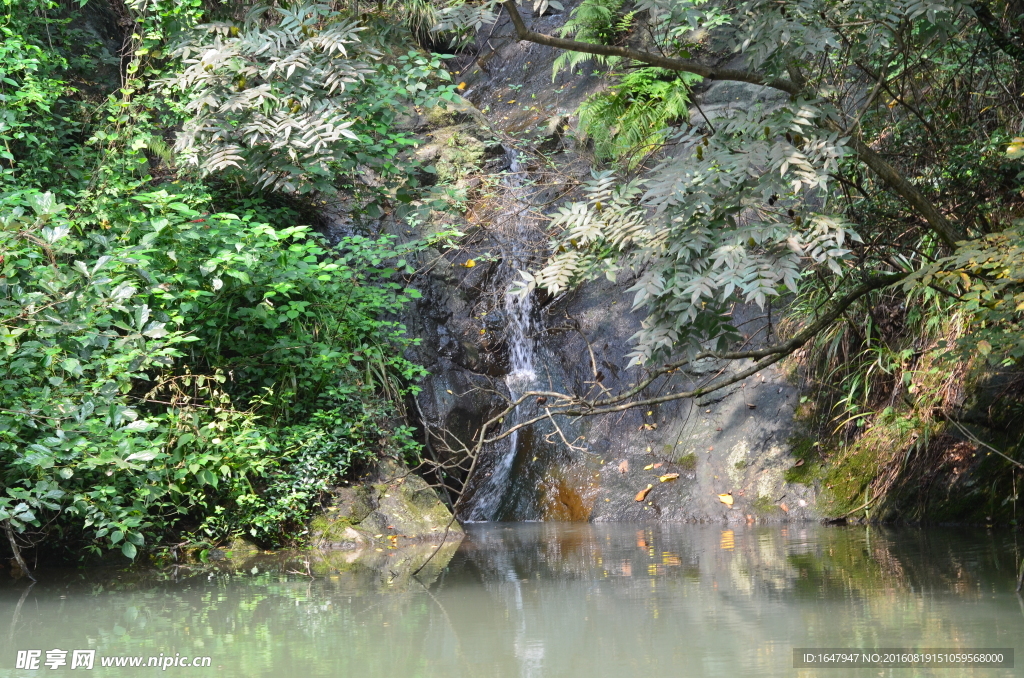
533,600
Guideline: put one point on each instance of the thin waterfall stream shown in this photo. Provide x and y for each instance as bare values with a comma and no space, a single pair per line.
518,310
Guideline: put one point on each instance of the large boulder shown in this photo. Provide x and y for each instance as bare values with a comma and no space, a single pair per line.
392,508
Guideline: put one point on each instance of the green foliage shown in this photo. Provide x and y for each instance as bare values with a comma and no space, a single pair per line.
175,369
632,118
177,362
288,104
597,21
753,197
987,274
36,122
419,18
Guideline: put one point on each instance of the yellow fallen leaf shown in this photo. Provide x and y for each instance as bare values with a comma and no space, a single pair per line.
470,264
461,86
668,476
642,494
512,101
726,498
648,467
1015,149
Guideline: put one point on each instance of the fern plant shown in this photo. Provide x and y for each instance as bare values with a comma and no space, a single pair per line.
631,118
597,21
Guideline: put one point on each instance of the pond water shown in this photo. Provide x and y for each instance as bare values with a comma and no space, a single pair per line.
543,599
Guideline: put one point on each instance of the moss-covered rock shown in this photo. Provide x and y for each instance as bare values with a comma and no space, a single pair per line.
393,508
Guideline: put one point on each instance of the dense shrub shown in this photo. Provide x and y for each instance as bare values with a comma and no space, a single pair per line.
180,359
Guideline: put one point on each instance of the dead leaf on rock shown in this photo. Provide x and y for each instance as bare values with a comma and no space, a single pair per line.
668,476
624,466
659,465
642,494
726,498
800,462
784,508
648,467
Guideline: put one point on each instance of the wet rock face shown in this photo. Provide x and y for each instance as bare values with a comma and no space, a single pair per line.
733,442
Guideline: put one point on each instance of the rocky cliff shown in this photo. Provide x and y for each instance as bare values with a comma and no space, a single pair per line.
514,163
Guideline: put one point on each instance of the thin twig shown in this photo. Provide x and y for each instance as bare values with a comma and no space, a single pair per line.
17,551
974,439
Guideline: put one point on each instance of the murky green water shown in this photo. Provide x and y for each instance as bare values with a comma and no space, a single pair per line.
533,600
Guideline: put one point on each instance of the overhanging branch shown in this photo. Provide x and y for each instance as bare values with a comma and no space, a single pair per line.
688,66
893,179
574,406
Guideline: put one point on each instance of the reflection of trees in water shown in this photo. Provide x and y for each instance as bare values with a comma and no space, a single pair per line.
547,599
759,586
250,617
866,560
819,561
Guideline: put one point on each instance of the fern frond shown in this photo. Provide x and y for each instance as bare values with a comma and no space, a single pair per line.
630,119
596,21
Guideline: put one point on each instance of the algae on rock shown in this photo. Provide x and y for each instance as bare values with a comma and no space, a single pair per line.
393,508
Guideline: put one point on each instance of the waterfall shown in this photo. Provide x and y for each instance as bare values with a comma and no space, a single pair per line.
518,310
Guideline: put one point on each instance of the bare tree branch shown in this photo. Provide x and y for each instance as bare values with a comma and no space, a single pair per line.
574,406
